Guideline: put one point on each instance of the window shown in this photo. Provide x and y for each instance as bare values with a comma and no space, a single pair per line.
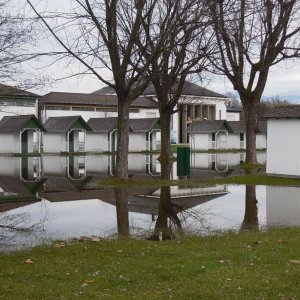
82,108
57,107
107,109
241,136
213,136
134,110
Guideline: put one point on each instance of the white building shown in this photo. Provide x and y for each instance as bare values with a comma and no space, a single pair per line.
196,103
93,106
65,134
103,137
207,135
20,134
14,101
283,146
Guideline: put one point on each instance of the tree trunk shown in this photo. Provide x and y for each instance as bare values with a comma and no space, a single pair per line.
166,157
121,195
251,116
123,139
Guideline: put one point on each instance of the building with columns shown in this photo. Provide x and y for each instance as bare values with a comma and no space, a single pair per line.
196,103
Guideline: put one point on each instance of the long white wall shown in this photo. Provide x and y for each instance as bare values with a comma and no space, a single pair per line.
96,142
283,147
234,141
10,143
54,142
86,115
16,110
199,141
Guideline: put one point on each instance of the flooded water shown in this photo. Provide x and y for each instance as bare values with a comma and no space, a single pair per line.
57,198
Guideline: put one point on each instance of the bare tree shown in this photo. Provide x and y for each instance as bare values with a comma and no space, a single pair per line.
16,37
103,34
182,24
253,36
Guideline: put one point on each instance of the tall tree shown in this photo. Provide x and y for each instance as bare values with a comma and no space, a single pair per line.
253,36
103,34
16,36
187,42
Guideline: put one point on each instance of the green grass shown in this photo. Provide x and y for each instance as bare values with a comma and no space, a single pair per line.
257,179
230,266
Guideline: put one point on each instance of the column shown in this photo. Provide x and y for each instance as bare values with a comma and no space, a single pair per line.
184,124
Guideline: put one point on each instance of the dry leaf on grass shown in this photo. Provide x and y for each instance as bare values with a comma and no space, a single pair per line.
95,239
28,261
61,245
294,261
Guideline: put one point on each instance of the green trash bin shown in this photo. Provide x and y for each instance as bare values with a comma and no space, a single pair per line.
183,161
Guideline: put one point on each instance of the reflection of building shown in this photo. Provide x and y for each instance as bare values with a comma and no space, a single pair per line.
24,168
283,206
64,166
283,149
20,178
181,198
139,165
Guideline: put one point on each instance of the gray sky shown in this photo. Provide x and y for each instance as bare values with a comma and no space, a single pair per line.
283,80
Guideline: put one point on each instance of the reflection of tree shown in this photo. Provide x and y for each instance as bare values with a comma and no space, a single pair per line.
14,225
250,218
166,212
122,211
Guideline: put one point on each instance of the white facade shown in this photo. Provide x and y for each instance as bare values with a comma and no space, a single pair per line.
10,142
261,141
17,110
97,142
59,142
86,115
141,141
232,116
283,147
204,141
54,142
234,141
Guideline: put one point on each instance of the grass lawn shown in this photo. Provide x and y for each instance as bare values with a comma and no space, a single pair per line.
230,266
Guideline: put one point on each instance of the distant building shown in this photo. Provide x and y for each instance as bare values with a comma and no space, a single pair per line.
283,146
90,106
103,137
220,134
195,103
14,101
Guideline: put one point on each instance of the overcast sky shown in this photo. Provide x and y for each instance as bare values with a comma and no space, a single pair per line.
283,79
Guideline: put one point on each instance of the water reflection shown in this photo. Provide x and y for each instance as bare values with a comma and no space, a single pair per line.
57,197
167,216
283,206
250,221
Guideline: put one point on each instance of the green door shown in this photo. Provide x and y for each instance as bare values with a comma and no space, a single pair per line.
71,141
24,141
